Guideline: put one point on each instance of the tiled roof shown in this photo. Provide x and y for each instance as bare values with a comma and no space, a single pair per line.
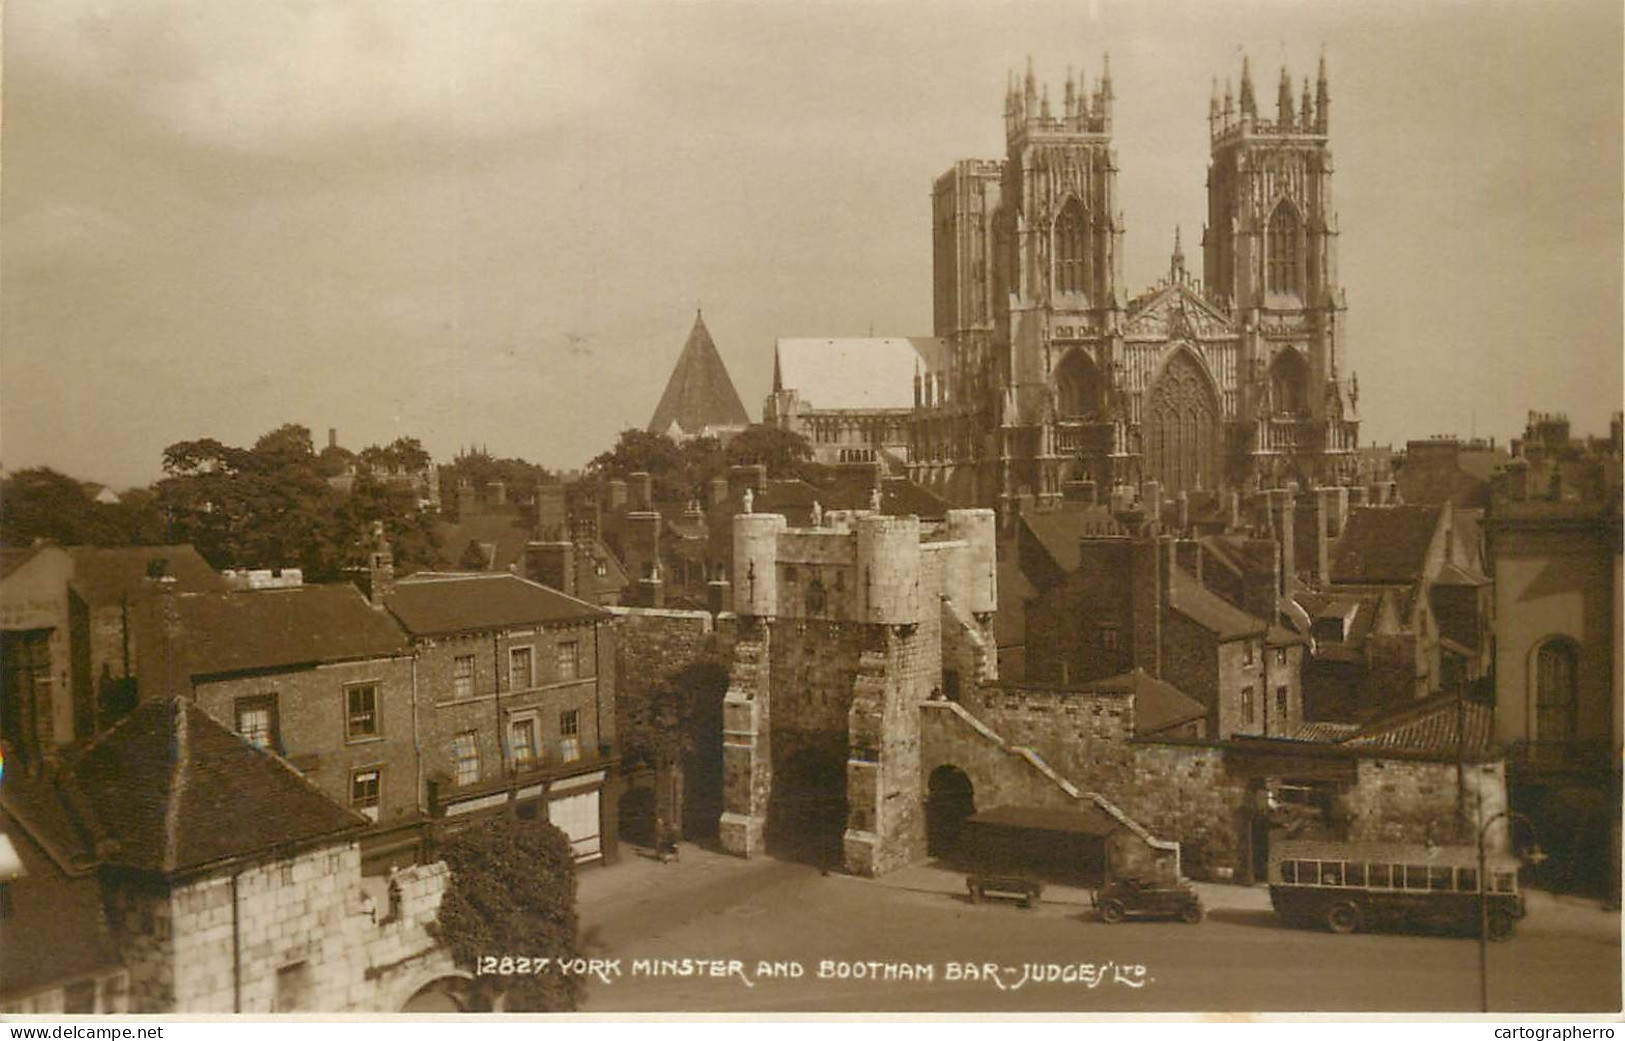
55,931
432,604
1385,544
114,574
12,559
1209,610
1158,705
214,633
1059,531
1325,733
854,374
500,532
1443,723
177,792
1455,575
700,393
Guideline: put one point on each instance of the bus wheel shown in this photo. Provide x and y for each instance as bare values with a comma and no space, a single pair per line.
1500,925
1192,914
1343,919
1111,912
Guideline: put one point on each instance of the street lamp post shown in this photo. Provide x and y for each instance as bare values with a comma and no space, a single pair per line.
1535,857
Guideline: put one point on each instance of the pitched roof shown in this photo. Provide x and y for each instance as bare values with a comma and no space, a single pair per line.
1325,732
854,374
178,792
12,559
1210,610
500,533
59,913
1455,575
1443,723
1059,531
700,393
108,575
1158,705
1385,544
430,604
213,633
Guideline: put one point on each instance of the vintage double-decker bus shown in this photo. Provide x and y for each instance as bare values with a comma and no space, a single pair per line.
1348,886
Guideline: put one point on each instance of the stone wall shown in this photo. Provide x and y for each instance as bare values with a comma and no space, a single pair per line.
295,934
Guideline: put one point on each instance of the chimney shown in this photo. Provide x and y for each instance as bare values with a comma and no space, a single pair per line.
1310,527
719,490
551,522
641,486
617,494
380,568
1146,592
718,595
651,589
497,493
1151,492
752,476
552,564
1281,517
332,437
1183,502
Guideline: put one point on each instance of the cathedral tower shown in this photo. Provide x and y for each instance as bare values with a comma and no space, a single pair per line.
1270,259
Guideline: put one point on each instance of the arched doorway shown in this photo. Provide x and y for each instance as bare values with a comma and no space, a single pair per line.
1181,420
806,815
703,687
950,800
1078,387
445,994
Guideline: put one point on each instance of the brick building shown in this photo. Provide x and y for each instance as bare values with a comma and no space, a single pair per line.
509,700
224,882
314,673
67,638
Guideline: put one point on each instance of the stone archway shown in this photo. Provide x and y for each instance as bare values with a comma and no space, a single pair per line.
950,801
1181,424
806,817
440,994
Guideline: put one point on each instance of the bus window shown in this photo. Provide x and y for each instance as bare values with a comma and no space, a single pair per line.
1331,873
1416,876
1379,876
1505,882
1308,872
1440,878
1289,871
1467,879
1354,874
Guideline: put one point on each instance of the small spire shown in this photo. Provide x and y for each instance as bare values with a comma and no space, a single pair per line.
1213,102
1031,86
1306,112
1323,96
1043,109
1249,106
1106,76
1176,264
1229,101
1071,94
1283,102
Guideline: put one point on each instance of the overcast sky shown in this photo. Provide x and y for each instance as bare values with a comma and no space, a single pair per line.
491,222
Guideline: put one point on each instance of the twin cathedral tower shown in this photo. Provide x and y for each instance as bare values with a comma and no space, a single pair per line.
1049,373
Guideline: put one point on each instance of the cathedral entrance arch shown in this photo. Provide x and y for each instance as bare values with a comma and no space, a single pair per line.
1080,392
806,816
950,801
1181,427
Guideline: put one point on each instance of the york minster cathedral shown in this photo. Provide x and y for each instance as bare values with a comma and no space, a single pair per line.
1050,373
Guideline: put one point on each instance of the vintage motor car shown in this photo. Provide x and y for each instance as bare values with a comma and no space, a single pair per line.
1133,898
1023,889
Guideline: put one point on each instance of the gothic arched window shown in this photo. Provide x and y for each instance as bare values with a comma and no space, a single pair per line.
1071,233
1557,668
1282,251
1078,387
1289,383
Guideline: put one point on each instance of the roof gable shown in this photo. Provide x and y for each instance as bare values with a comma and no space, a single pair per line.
700,393
1210,610
110,575
854,374
1173,312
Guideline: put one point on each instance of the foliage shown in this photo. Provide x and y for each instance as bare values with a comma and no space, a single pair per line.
272,506
480,469
684,471
512,889
404,455
40,503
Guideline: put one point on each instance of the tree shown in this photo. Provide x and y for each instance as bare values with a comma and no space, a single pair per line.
784,451
41,503
512,889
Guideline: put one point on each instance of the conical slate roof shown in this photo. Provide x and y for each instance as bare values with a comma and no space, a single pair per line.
700,393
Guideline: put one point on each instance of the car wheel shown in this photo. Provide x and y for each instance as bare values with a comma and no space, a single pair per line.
1343,919
1191,914
1500,925
1111,912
